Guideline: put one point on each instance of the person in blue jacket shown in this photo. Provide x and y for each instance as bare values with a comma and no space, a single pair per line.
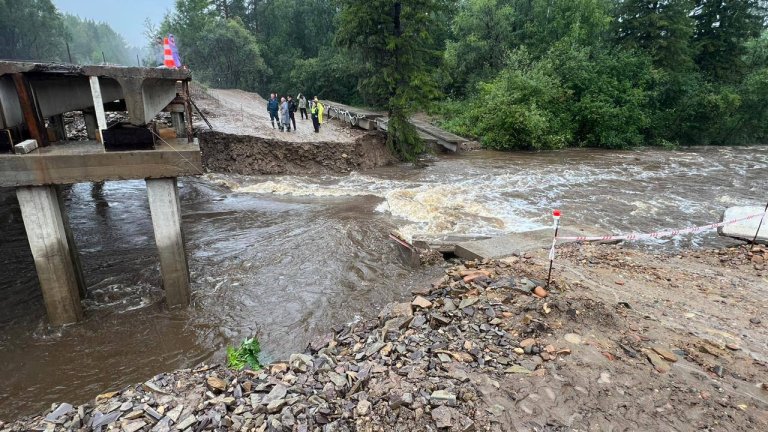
273,106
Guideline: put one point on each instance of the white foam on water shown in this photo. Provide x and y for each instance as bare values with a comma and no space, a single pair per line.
634,190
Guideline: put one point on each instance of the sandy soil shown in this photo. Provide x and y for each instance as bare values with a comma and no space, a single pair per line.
705,307
243,113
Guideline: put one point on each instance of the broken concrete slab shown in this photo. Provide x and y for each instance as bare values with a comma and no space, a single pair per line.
744,230
444,243
514,243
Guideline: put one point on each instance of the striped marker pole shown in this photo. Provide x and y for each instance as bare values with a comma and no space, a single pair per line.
168,55
556,217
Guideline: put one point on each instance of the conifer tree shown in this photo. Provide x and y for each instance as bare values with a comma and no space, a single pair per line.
723,28
393,39
662,28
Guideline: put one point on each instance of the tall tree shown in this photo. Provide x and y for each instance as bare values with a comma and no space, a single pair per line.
89,39
393,39
31,30
662,28
723,28
485,32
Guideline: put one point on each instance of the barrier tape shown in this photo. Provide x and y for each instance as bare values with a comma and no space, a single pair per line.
401,241
665,233
654,235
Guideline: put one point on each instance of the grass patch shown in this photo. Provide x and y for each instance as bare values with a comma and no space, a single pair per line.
247,354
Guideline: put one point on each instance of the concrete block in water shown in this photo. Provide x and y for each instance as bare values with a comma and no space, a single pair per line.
744,230
513,244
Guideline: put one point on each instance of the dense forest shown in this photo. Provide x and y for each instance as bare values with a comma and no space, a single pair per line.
36,30
515,74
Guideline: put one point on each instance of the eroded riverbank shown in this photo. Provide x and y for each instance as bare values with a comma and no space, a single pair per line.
289,257
475,350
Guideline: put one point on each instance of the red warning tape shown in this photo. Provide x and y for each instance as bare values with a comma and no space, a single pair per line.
665,233
401,241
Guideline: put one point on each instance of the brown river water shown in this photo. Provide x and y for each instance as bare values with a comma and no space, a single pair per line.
288,257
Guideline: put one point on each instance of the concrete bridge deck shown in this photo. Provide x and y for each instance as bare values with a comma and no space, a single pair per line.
33,99
370,120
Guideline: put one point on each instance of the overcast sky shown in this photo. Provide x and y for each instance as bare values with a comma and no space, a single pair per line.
124,16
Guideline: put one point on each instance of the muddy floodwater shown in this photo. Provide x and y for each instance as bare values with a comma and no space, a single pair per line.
288,257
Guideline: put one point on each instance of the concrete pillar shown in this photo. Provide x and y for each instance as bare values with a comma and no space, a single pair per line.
163,195
98,105
179,125
91,124
47,236
73,251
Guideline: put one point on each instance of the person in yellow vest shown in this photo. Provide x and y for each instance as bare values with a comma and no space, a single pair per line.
320,109
314,113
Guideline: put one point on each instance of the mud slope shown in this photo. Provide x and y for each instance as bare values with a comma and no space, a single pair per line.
251,155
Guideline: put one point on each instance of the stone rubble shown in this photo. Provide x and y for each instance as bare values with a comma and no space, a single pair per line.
424,364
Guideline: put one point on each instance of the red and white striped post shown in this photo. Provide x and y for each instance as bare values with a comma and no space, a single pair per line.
556,216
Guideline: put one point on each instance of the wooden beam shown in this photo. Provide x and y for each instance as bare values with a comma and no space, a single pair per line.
35,123
187,110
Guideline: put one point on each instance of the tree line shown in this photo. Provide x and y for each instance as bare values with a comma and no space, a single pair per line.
35,30
516,74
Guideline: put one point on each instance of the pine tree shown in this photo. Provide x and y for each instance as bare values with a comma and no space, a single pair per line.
722,30
393,39
663,28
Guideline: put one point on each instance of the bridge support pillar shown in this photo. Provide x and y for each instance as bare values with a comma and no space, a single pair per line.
91,124
163,195
47,233
177,119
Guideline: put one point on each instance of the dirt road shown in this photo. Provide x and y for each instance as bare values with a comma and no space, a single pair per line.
244,113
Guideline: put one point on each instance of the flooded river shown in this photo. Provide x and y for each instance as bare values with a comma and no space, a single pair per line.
288,257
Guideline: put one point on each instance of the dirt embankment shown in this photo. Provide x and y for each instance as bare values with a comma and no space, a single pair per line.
479,351
251,155
245,141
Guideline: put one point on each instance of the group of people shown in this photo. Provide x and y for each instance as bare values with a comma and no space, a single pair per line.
284,111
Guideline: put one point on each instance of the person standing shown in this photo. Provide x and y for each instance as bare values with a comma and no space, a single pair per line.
272,107
285,116
174,51
303,106
320,109
159,52
313,111
292,111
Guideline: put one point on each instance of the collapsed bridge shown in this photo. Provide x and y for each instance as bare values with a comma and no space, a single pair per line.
37,158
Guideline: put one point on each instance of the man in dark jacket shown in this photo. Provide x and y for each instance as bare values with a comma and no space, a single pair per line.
292,111
272,107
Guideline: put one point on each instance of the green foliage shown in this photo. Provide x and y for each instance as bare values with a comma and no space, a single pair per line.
722,29
238,63
89,39
31,30
662,28
665,72
247,354
393,40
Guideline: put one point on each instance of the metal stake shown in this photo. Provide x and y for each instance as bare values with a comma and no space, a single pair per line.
754,239
556,215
